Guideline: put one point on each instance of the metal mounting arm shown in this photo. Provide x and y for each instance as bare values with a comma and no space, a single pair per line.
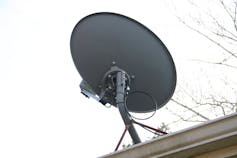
120,101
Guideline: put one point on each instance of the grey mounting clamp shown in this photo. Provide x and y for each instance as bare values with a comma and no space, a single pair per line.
108,84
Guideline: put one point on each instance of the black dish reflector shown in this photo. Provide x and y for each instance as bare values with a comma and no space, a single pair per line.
101,39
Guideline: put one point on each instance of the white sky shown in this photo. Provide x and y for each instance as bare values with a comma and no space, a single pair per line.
42,113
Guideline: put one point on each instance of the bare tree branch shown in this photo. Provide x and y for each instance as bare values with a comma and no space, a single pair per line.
182,118
233,18
221,27
220,32
225,32
216,63
222,35
190,109
207,37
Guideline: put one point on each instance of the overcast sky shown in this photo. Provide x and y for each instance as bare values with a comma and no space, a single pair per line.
42,113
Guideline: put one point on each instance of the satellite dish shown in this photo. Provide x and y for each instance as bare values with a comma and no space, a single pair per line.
100,40
122,63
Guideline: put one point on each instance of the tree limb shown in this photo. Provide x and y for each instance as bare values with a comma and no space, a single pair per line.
233,18
190,109
216,63
207,37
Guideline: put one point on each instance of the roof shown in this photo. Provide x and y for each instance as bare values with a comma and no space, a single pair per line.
215,136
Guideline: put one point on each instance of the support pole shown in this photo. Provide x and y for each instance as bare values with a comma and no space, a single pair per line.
120,101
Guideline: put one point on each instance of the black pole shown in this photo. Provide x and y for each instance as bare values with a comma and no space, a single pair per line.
120,101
